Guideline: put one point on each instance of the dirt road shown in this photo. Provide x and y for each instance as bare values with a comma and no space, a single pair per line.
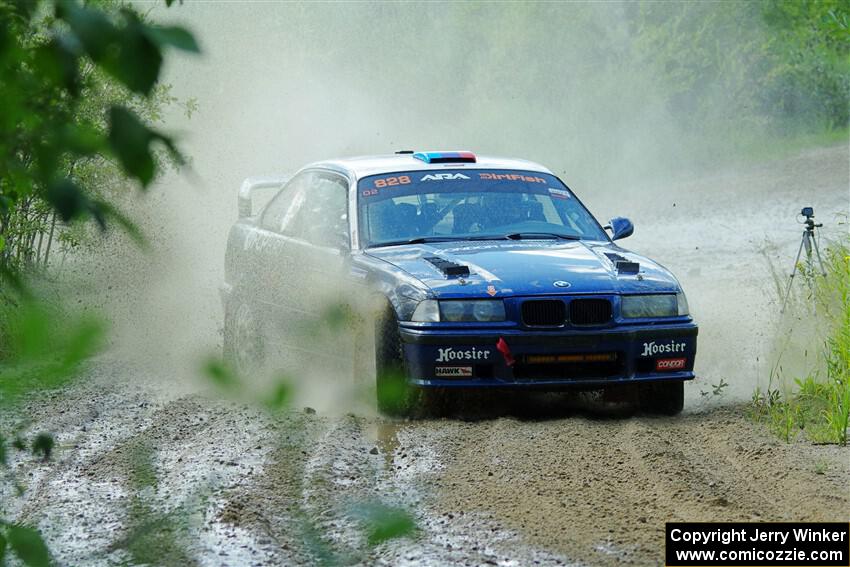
147,472
228,485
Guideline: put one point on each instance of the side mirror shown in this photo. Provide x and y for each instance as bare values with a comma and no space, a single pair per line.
620,227
251,184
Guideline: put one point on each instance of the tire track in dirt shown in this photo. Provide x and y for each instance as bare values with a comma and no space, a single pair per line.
82,500
600,490
559,489
774,480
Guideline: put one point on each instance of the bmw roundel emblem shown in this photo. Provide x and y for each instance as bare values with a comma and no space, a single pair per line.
561,283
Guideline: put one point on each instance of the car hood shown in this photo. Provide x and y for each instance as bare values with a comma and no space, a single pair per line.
502,269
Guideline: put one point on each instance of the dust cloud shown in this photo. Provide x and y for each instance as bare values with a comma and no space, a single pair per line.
281,85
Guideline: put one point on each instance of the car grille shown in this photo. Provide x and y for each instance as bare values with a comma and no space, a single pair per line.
544,313
590,311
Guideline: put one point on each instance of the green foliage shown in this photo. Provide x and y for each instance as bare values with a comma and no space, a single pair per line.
28,545
45,347
781,65
152,537
23,541
223,376
43,445
383,523
142,470
280,397
819,404
80,84
618,93
131,141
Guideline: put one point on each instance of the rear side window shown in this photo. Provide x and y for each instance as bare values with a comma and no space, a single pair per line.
312,207
281,211
323,215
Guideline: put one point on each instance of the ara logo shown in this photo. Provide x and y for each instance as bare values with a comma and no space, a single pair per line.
443,177
653,348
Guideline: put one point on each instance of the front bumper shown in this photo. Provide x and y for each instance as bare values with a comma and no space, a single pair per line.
519,358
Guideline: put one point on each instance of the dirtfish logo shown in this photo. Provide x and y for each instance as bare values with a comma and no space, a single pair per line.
653,348
443,177
450,354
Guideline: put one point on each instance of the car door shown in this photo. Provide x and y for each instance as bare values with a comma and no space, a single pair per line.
273,264
322,242
315,230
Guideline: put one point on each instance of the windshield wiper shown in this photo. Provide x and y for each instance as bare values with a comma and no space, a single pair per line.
511,236
417,240
522,235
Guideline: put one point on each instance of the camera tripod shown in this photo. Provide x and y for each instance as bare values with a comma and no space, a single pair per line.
808,242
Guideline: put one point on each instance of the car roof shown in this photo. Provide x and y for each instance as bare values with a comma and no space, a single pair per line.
362,166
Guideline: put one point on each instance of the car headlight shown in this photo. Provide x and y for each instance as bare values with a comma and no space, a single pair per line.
682,301
634,306
428,311
457,310
480,310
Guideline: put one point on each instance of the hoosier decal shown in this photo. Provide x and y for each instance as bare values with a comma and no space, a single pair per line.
669,347
450,354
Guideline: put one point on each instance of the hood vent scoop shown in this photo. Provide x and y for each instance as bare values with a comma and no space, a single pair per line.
623,265
448,268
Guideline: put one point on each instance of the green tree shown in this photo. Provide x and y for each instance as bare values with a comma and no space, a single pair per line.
79,88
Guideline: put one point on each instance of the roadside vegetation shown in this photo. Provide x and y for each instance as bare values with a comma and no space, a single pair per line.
80,92
813,398
79,89
696,85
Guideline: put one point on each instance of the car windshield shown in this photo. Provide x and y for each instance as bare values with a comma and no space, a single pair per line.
469,204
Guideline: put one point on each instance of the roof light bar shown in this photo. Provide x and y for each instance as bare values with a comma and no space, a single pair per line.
445,157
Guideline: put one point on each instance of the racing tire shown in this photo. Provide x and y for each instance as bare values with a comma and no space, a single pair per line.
244,343
395,396
662,398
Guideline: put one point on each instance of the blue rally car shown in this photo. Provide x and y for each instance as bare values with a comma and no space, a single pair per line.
489,273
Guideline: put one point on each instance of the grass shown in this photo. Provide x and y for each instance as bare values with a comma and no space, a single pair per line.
765,148
817,404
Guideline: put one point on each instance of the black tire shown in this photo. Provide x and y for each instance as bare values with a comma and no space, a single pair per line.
662,398
395,395
244,343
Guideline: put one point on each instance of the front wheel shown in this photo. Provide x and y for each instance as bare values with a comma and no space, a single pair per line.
395,395
664,398
244,344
